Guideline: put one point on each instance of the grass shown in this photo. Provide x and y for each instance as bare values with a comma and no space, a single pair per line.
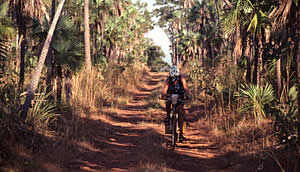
97,99
242,134
43,112
91,93
151,167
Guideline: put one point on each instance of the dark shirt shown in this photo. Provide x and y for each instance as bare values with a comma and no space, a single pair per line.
175,87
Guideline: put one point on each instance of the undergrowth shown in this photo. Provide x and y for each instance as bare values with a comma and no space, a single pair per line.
246,118
48,123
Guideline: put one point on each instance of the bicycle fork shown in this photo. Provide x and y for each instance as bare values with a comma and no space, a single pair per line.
173,117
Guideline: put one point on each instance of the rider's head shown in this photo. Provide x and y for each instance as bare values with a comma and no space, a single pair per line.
174,73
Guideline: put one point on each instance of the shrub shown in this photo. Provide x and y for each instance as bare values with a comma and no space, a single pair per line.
255,99
42,114
286,117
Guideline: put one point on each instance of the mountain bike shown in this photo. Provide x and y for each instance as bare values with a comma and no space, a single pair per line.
173,126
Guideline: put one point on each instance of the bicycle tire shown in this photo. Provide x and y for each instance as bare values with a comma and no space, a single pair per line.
174,132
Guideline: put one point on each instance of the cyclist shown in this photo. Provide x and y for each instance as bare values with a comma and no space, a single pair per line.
176,84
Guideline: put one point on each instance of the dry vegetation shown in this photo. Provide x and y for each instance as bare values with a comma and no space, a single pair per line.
84,125
64,128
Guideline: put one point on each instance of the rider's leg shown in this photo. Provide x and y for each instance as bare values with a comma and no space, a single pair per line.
181,119
168,109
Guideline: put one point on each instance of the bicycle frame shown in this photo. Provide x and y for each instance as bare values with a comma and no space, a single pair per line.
173,124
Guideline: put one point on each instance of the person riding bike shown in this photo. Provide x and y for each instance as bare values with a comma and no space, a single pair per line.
176,84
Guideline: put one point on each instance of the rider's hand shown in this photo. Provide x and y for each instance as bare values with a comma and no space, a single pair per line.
187,96
162,96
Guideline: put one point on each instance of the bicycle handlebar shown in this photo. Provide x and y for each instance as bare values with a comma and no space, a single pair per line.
167,97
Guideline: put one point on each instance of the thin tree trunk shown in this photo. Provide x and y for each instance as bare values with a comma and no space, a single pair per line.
22,62
217,12
194,50
297,53
21,43
237,53
87,46
259,61
96,43
209,50
177,52
278,76
247,53
59,83
17,63
199,55
38,70
50,57
68,85
173,54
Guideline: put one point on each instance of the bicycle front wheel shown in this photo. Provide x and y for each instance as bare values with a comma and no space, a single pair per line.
174,132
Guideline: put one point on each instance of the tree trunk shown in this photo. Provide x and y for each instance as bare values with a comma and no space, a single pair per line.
237,52
194,50
173,54
200,56
96,43
88,62
209,50
50,57
17,62
68,85
38,70
22,33
278,76
22,61
259,61
297,53
59,83
177,52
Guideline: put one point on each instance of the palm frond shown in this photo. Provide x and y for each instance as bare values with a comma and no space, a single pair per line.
255,99
42,112
4,50
280,14
67,50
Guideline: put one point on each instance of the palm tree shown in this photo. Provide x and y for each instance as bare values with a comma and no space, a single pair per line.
87,46
22,9
37,73
67,53
287,15
50,58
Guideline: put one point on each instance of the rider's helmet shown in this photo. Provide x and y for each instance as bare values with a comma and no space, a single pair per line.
174,73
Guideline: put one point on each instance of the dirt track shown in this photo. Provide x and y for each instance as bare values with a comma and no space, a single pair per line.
132,139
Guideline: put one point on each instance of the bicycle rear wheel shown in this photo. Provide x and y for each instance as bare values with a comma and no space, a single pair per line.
174,132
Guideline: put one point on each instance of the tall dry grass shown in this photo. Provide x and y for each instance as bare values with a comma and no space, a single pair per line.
98,89
89,89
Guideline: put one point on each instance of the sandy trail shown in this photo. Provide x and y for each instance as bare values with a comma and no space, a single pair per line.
132,139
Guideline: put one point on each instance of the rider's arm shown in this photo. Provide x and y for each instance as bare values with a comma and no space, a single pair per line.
183,80
165,87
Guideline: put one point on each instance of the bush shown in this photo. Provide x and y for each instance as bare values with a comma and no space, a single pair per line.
255,99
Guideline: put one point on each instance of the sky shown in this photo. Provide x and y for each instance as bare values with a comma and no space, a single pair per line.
157,34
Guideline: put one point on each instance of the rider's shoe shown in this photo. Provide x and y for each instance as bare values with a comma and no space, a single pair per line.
181,139
167,126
